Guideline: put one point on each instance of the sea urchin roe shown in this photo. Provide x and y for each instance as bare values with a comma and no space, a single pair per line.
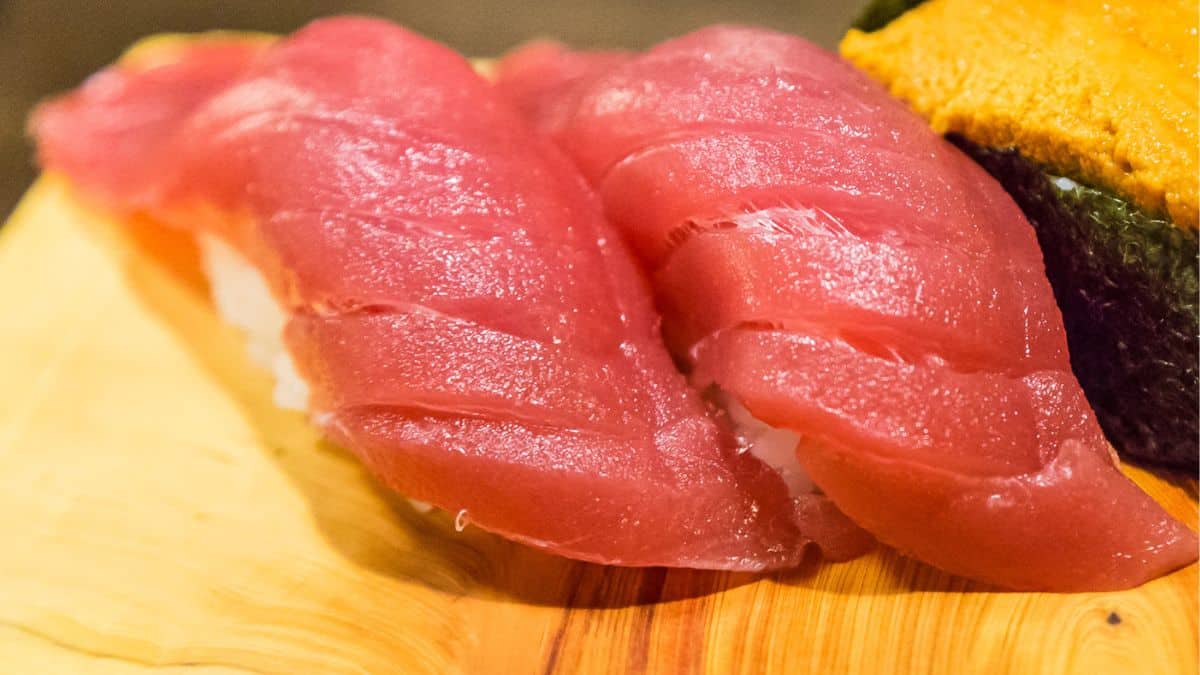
1103,91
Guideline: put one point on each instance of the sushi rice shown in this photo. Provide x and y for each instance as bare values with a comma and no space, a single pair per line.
242,298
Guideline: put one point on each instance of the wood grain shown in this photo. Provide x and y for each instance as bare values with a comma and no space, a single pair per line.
158,513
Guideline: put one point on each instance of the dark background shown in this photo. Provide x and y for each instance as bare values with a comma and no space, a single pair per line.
50,45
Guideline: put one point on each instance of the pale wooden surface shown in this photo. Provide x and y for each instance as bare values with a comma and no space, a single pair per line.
157,513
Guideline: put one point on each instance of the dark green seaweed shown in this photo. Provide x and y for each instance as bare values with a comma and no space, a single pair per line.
881,12
1126,283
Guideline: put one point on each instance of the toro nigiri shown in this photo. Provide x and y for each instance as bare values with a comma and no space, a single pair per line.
824,260
452,306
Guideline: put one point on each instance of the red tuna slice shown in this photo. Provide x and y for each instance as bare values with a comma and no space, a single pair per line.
598,497
135,117
1039,504
932,293
511,283
468,323
825,259
535,75
432,361
716,174
662,94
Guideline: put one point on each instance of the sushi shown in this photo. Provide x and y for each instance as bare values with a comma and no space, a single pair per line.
827,263
439,287
1086,113
436,285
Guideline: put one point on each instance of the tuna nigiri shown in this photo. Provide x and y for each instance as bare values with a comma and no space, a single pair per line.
833,268
436,285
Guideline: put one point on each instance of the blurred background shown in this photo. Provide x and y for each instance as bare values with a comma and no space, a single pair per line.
50,45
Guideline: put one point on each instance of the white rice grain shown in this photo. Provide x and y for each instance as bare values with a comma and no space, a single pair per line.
243,298
774,446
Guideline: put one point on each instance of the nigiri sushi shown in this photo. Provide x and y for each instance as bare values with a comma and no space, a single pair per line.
436,285
826,263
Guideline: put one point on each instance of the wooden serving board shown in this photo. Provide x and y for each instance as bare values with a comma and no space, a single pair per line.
157,512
